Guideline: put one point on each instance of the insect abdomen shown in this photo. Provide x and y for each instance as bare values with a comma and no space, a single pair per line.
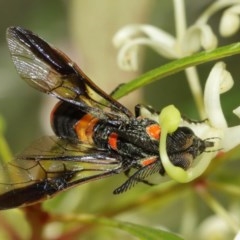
63,119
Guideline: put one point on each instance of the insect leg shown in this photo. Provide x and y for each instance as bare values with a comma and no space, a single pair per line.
140,176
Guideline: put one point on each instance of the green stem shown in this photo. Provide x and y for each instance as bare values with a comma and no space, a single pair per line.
224,187
195,87
176,66
180,19
191,73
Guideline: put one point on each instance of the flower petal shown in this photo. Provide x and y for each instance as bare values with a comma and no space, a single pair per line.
128,53
127,57
230,21
129,38
134,31
213,227
219,81
231,138
197,36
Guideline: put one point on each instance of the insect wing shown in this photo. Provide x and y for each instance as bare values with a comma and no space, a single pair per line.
51,71
49,166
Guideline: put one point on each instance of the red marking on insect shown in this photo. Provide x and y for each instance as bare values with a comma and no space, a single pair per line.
148,161
112,140
154,131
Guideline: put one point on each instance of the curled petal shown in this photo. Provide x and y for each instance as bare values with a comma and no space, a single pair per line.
208,38
150,32
230,21
127,57
197,36
131,37
219,81
128,53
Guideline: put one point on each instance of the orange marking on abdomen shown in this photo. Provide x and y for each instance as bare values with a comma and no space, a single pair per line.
112,140
84,128
147,161
154,131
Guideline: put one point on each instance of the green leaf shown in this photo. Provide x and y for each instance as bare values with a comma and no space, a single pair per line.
147,233
142,232
177,66
139,231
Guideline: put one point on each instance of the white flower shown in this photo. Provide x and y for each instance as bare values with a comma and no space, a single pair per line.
218,82
198,36
224,224
214,228
230,21
215,127
188,40
129,38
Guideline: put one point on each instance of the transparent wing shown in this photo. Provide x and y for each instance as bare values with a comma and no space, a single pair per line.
49,166
51,71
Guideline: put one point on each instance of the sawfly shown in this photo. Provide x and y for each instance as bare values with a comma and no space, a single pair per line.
95,135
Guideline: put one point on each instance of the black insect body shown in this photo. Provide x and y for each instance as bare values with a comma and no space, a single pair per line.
95,136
